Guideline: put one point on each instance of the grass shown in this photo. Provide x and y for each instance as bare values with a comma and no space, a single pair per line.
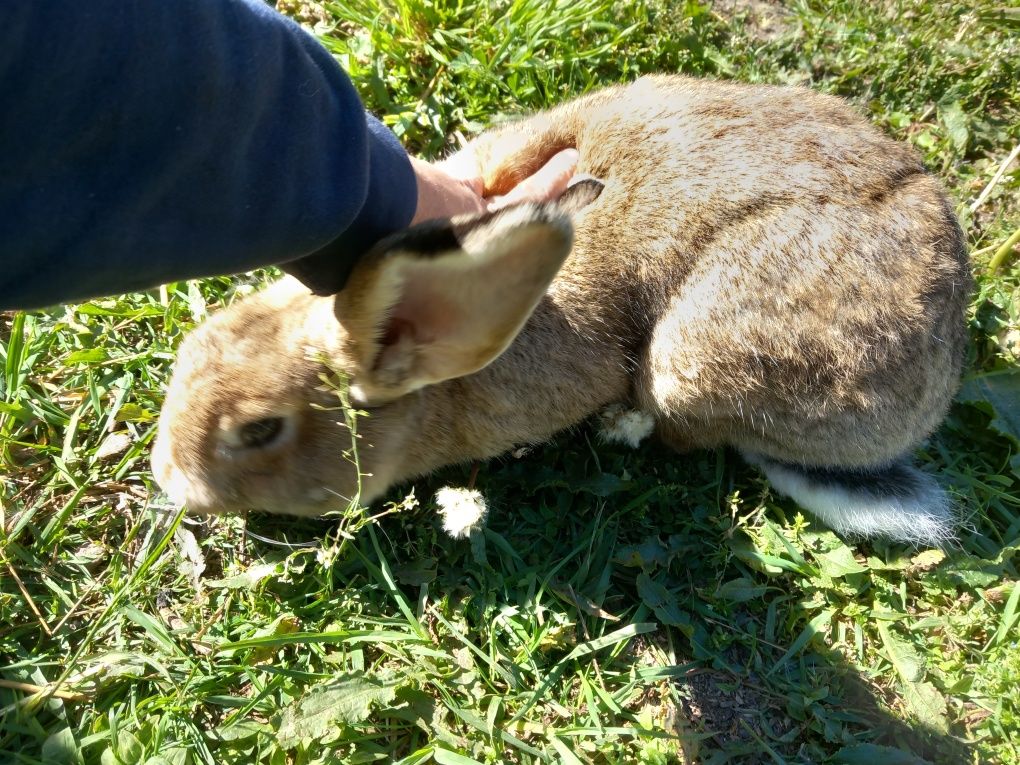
622,606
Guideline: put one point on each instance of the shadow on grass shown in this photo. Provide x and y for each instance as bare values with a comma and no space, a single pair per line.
765,644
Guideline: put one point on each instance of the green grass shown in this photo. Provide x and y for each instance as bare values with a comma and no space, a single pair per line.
622,606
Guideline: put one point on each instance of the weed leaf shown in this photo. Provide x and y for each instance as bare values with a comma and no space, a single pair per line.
1000,393
902,654
320,713
926,704
416,573
247,579
662,602
955,120
60,747
87,356
871,754
839,562
740,590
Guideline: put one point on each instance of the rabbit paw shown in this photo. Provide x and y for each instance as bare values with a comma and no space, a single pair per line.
626,426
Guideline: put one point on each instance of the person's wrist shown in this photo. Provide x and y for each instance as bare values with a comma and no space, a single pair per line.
441,195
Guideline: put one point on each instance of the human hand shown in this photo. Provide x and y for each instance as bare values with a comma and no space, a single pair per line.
454,187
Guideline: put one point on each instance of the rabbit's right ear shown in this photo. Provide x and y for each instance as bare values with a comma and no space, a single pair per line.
444,299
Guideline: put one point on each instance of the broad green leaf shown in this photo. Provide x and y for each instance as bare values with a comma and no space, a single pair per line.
927,560
285,624
416,573
1000,392
129,748
898,563
962,686
16,410
319,714
175,755
662,602
134,413
650,553
417,757
87,356
772,564
872,754
60,747
239,731
740,590
246,579
646,555
927,705
901,653
956,122
839,562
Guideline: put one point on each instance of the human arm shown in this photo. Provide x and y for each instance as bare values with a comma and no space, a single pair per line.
147,142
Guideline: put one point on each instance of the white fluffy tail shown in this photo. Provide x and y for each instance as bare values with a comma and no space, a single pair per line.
897,501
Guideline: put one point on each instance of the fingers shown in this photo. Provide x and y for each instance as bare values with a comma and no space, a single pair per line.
454,186
545,185
464,166
441,195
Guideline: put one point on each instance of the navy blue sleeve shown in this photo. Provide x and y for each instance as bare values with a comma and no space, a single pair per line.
149,141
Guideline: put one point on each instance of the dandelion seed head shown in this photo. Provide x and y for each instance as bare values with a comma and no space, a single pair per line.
461,510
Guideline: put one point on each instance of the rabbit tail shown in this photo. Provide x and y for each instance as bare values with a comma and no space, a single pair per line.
896,501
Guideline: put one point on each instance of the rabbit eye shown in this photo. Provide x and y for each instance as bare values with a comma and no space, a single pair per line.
260,432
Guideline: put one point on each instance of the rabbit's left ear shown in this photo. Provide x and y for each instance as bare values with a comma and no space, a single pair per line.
444,299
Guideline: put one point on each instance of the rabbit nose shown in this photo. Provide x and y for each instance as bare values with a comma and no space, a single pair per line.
182,490
175,483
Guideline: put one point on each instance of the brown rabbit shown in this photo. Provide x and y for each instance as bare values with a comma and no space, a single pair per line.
762,269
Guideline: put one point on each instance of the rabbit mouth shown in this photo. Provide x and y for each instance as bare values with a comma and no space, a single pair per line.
316,502
324,499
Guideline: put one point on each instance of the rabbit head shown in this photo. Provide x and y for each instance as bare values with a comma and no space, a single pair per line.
252,417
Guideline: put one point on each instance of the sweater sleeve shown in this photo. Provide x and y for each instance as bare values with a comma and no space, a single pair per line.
149,141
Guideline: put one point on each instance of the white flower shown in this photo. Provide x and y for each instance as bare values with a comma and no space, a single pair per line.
626,426
462,510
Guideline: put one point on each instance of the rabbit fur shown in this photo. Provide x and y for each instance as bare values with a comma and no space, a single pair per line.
761,269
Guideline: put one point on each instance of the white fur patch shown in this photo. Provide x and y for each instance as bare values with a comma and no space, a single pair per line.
180,489
461,509
626,426
925,518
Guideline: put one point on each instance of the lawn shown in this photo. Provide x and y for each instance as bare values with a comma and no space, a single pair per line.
622,606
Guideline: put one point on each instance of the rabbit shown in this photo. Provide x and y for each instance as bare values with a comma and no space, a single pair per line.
755,267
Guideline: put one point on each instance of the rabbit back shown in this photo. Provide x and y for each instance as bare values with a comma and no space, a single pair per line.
785,278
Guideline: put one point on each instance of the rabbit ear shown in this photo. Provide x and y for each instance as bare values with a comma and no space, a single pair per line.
444,299
581,192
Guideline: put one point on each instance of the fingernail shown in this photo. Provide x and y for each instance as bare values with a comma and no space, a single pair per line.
568,156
